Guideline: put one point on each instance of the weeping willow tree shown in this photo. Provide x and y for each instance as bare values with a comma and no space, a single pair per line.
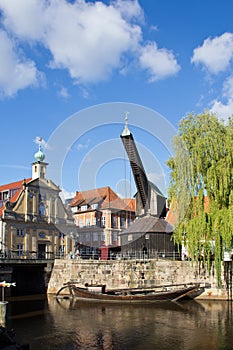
201,186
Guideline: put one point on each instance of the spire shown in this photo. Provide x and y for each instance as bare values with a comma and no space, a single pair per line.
126,131
39,156
39,167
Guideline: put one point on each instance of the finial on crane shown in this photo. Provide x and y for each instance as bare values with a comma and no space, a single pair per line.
126,131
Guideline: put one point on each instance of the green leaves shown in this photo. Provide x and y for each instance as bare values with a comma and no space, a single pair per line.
201,184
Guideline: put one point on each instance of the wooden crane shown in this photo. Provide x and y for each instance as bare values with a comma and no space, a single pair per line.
149,199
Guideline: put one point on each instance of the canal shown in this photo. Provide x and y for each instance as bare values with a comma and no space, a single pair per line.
47,324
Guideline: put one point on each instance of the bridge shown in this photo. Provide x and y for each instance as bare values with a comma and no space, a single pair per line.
30,271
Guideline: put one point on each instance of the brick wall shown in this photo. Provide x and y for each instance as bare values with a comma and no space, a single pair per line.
131,273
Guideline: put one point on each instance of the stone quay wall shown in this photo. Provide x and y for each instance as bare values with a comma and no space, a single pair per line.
135,273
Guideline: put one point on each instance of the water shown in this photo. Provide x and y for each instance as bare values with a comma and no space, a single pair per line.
47,324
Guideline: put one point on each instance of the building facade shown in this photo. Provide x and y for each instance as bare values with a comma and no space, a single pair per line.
100,215
34,222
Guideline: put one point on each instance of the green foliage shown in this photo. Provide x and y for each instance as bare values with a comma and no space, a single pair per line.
201,185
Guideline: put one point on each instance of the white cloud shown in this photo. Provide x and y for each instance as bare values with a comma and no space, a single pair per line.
224,110
215,54
160,63
16,72
129,9
91,46
84,92
24,18
89,39
40,141
81,146
66,195
228,88
64,92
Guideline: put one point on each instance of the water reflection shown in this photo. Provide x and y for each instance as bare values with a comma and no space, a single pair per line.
66,324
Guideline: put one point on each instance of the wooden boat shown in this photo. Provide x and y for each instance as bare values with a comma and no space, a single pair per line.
132,295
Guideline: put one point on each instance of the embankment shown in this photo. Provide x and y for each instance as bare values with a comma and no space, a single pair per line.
138,273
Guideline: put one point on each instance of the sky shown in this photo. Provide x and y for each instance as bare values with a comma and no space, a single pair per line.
71,71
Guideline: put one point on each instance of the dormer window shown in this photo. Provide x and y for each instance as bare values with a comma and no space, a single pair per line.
4,195
83,207
74,209
94,206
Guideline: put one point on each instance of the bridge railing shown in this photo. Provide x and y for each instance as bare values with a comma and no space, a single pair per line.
140,255
32,255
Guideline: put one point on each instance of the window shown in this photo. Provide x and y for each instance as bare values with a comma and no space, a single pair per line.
130,221
94,206
20,232
103,219
114,221
103,237
115,237
88,222
95,221
74,209
95,237
81,224
5,195
122,222
20,249
83,207
42,234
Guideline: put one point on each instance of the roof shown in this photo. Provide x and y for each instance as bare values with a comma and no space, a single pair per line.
173,212
156,189
14,185
105,197
149,224
18,185
130,202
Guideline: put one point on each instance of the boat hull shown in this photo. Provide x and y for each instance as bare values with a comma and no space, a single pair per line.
132,295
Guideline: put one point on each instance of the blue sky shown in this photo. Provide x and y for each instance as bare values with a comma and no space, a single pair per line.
69,70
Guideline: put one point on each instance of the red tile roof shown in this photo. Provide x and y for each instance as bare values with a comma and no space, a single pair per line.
18,185
13,185
172,215
104,196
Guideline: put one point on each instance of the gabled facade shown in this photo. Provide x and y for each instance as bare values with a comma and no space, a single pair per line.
100,215
34,223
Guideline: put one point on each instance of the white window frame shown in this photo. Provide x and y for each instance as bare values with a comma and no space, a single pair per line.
103,221
20,249
20,232
83,207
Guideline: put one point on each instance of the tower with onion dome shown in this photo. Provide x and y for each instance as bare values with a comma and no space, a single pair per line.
39,166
